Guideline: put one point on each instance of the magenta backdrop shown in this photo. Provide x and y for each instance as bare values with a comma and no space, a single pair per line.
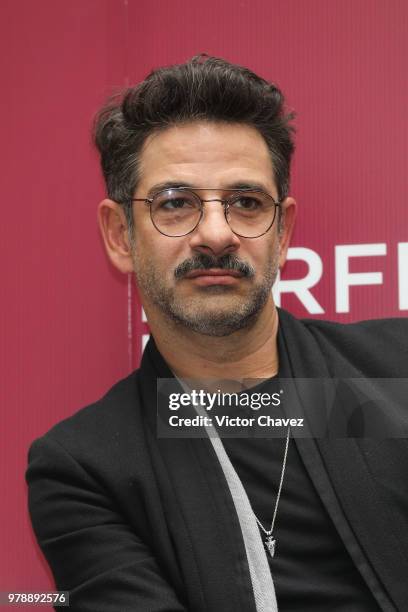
70,325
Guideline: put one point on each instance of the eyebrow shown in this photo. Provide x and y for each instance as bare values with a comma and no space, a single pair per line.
177,184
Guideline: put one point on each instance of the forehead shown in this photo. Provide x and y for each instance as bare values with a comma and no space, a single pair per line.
206,154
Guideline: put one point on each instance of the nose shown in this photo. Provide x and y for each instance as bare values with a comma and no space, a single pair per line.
213,235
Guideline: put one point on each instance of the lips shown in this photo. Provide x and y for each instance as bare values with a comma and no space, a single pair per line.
214,277
213,272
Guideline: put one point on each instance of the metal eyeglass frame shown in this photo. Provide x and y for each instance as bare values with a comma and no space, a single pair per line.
224,201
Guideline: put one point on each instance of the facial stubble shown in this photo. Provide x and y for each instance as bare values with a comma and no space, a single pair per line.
234,312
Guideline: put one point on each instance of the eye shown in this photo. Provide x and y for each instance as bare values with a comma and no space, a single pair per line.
175,203
174,200
247,203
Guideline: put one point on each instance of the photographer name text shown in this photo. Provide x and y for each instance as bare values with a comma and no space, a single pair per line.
237,421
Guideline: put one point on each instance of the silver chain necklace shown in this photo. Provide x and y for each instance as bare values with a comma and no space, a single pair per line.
270,541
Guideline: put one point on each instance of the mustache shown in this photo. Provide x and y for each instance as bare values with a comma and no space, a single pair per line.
205,262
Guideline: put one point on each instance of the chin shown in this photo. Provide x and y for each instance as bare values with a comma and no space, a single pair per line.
220,327
215,321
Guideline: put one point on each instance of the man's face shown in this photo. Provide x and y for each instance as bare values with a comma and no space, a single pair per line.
217,156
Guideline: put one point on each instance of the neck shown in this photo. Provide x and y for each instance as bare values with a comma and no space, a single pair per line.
247,353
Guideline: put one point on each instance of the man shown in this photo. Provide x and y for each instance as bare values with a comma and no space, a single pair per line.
196,160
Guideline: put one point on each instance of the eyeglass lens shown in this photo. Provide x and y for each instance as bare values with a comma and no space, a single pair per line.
177,212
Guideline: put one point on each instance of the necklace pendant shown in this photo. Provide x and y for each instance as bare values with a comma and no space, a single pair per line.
270,544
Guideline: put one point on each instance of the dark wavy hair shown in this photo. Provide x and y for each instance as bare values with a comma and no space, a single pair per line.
204,88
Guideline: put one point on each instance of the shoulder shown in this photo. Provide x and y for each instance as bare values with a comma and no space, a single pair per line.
389,331
377,347
100,430
392,328
115,408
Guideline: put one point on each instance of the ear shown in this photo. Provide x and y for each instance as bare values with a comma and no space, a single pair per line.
114,230
288,223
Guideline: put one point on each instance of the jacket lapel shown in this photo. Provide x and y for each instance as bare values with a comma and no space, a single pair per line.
352,466
200,512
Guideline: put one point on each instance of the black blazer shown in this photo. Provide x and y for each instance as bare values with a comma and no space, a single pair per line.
128,521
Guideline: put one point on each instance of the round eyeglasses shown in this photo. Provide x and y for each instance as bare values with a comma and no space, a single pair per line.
176,212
